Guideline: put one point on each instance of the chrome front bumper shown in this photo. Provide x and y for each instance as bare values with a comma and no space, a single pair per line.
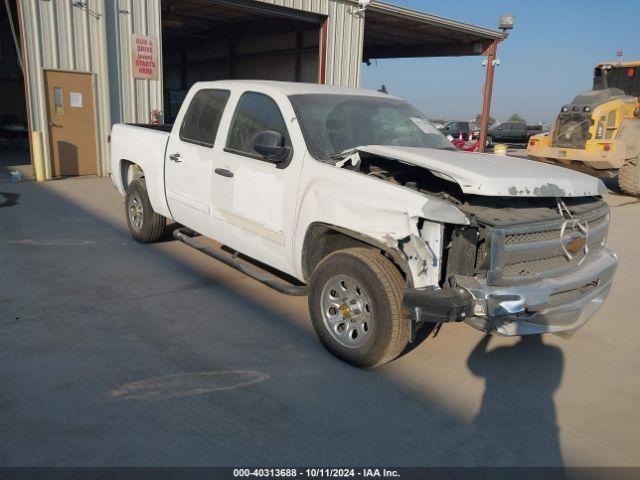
551,305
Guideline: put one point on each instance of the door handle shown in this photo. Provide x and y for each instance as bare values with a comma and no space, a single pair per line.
224,172
175,157
55,125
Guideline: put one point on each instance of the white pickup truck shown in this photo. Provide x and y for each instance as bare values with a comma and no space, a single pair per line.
354,198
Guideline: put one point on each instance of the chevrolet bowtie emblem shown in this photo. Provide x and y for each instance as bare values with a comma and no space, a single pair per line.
576,246
574,234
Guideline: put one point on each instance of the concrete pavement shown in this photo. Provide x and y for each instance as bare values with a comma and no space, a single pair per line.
116,353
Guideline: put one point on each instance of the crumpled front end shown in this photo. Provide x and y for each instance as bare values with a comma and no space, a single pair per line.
522,271
507,260
550,305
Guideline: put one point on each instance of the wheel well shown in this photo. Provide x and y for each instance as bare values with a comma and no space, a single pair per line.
129,172
322,240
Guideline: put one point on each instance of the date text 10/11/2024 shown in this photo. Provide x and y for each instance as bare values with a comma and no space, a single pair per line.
316,473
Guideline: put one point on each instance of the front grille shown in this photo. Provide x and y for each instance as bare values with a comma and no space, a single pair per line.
528,268
546,235
528,252
571,131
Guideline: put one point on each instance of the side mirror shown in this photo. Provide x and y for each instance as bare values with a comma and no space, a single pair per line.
271,145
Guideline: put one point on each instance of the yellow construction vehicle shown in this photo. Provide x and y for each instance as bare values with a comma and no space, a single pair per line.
599,131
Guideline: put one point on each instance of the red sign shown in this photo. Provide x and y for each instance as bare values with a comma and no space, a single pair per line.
144,57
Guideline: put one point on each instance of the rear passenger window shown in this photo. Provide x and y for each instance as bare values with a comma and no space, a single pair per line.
256,113
200,124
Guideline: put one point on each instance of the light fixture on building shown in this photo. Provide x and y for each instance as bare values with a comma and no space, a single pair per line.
506,22
363,4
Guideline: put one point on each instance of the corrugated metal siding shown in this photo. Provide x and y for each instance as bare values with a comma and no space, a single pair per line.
344,44
314,6
135,98
344,40
58,36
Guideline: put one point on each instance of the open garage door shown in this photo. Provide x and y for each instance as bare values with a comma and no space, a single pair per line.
14,133
207,40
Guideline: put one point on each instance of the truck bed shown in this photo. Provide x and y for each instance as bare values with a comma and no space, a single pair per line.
143,145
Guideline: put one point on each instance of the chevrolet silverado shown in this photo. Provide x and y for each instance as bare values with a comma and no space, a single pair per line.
355,199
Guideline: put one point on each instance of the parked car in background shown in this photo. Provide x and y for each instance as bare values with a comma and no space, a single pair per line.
455,129
511,132
535,128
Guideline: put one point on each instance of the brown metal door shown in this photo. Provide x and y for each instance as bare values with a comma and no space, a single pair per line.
72,129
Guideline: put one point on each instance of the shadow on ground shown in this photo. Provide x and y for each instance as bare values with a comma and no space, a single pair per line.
116,353
506,370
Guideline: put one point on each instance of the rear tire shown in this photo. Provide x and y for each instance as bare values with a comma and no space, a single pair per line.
145,225
629,177
355,303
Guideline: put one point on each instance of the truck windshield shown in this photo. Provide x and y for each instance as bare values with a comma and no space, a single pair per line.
332,124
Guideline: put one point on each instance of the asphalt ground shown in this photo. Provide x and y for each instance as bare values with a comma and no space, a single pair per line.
117,353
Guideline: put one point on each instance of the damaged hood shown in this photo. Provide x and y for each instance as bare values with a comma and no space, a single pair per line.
493,175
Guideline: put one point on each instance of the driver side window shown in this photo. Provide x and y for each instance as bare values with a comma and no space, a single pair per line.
255,113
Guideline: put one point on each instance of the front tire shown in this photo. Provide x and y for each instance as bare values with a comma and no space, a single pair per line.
629,177
145,225
355,302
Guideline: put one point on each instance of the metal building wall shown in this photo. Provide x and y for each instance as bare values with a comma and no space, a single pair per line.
97,39
132,100
314,6
345,37
58,36
345,43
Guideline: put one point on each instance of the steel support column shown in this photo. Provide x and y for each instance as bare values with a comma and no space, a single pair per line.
491,53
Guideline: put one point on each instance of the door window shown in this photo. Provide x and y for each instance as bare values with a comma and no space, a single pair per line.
200,124
57,100
255,113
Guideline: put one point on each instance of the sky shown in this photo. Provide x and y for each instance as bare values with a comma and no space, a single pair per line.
546,61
